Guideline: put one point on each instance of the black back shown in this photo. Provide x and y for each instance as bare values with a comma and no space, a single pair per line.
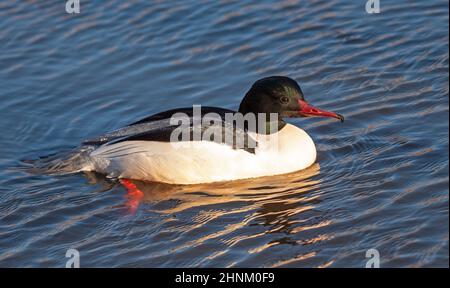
157,127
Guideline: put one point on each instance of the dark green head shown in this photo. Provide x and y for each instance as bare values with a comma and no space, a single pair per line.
282,95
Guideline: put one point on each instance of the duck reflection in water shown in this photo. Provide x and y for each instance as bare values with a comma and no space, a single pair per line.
272,194
285,205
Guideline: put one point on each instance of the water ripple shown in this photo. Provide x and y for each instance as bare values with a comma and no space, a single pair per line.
382,176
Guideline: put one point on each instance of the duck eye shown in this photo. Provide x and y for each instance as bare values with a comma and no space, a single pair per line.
284,99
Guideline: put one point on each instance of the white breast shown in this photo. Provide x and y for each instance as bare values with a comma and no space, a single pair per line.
289,150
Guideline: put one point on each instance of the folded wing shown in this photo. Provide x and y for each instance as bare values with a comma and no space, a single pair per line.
161,126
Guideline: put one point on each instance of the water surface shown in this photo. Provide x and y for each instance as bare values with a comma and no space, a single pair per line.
380,182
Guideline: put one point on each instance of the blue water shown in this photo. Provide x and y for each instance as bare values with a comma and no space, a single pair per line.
380,182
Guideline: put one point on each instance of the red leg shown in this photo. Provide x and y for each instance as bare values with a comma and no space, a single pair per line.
134,195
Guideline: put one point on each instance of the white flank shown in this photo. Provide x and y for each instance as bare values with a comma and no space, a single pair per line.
205,161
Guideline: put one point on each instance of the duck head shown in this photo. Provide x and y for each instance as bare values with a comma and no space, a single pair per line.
281,95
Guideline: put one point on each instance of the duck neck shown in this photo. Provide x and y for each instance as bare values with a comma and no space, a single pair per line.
271,126
265,125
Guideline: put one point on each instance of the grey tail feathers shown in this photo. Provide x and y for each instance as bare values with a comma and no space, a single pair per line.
66,162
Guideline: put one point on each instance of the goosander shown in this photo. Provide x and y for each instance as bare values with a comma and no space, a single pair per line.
146,150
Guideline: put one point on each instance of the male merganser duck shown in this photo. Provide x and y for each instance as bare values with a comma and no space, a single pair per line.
145,150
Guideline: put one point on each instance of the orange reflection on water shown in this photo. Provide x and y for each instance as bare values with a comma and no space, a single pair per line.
281,205
260,190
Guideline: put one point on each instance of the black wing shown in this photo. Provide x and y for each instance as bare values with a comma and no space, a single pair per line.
158,127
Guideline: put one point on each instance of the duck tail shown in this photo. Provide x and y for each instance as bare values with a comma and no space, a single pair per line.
66,162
